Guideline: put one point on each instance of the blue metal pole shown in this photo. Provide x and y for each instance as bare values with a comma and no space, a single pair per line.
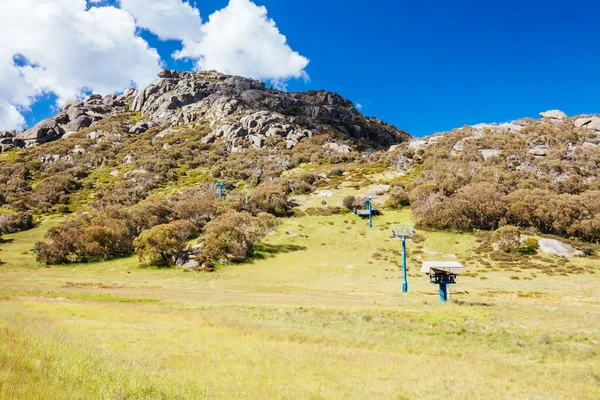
370,215
443,292
405,282
221,191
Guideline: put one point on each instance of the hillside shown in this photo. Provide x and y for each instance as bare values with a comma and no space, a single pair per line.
124,274
242,112
184,130
531,173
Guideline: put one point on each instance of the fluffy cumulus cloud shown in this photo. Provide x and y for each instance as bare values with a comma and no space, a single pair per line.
10,117
168,19
69,47
61,47
241,39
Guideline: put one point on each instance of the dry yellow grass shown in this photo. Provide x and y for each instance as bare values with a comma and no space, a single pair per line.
317,317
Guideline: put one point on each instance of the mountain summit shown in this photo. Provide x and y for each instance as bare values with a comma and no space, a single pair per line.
240,111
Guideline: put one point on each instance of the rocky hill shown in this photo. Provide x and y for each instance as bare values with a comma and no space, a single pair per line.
532,173
242,112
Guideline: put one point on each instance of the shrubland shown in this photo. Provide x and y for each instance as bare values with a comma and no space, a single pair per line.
556,193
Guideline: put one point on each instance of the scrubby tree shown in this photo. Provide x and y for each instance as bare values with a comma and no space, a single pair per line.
270,199
64,245
153,211
508,238
352,202
477,206
398,198
160,245
233,236
197,207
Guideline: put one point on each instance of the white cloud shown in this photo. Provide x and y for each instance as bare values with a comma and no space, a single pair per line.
168,19
63,48
10,117
68,47
241,39
359,106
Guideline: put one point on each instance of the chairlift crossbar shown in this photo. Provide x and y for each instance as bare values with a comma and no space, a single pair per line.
403,231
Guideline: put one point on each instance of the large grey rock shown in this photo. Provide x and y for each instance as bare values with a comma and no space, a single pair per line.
338,148
417,144
129,92
461,144
258,141
489,153
165,73
581,122
72,103
539,151
79,123
138,128
594,124
480,129
554,114
557,248
7,140
109,99
75,112
61,118
93,98
252,97
46,131
6,147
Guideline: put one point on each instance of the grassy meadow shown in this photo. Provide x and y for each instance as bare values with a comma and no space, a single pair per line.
318,314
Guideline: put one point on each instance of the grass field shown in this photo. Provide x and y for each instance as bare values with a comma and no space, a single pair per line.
319,314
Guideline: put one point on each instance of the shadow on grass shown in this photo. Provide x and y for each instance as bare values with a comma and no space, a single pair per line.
6,241
264,251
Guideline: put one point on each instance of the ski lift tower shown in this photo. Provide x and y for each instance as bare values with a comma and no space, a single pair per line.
369,205
442,273
220,186
404,232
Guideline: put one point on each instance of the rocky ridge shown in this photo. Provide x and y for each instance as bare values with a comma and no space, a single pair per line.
243,112
590,125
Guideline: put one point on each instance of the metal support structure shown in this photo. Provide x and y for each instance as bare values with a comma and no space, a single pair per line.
404,232
443,279
404,280
443,292
220,186
369,206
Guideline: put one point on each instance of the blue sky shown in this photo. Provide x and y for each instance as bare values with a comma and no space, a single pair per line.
430,66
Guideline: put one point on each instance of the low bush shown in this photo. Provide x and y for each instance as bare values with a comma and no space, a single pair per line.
398,198
161,245
508,238
352,202
233,236
17,222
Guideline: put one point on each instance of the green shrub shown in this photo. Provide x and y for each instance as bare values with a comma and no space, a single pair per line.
508,238
398,198
530,247
234,235
160,245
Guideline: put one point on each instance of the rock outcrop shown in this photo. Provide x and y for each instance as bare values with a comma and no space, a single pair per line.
557,248
6,140
45,131
554,114
242,112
